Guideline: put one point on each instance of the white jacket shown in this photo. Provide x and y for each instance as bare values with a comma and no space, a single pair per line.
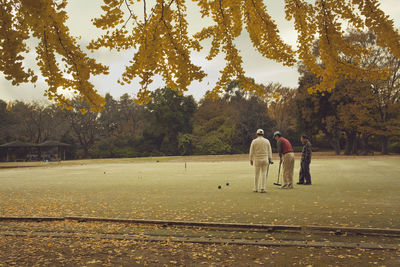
260,149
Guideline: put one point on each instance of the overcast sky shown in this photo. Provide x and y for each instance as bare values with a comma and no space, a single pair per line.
261,69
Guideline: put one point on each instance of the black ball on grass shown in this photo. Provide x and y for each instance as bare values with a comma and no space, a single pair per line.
219,187
227,184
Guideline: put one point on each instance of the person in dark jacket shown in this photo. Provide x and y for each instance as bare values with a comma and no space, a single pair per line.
305,176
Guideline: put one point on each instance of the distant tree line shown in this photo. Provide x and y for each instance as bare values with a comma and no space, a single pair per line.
172,124
356,117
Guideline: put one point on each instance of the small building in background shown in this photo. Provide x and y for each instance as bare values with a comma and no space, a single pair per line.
52,150
17,151
22,151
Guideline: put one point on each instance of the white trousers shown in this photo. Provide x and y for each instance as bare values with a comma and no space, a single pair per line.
261,168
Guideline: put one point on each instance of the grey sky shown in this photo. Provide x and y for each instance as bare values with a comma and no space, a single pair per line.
261,69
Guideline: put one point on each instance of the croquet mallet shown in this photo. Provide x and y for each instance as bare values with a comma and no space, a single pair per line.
279,172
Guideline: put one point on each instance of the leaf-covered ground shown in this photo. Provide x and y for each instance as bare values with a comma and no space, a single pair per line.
18,251
95,244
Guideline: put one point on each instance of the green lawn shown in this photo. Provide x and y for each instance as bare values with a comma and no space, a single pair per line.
361,192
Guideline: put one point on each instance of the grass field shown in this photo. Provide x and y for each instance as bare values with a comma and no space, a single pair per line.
345,192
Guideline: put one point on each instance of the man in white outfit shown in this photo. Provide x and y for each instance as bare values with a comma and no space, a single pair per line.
261,157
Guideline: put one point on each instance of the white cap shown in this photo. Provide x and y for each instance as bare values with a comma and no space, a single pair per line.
260,131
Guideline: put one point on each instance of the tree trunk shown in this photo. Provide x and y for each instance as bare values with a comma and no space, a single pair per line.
335,143
350,136
356,140
85,151
384,148
364,144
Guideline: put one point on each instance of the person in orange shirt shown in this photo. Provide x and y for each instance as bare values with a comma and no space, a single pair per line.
286,156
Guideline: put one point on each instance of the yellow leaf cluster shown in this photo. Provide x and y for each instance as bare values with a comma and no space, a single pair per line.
229,17
60,59
338,58
161,41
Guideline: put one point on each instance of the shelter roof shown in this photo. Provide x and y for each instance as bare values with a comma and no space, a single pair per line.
52,143
17,144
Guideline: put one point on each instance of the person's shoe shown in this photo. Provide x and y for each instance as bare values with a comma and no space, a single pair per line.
308,183
262,191
300,183
255,190
290,186
284,187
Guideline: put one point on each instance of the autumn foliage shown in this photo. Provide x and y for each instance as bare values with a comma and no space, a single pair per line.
161,44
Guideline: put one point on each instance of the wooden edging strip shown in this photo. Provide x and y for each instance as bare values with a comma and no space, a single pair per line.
188,223
354,230
202,240
267,227
33,219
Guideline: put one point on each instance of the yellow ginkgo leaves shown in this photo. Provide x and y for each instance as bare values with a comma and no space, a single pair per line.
157,34
61,61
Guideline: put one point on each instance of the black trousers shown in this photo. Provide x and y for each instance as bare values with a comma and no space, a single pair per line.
305,175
